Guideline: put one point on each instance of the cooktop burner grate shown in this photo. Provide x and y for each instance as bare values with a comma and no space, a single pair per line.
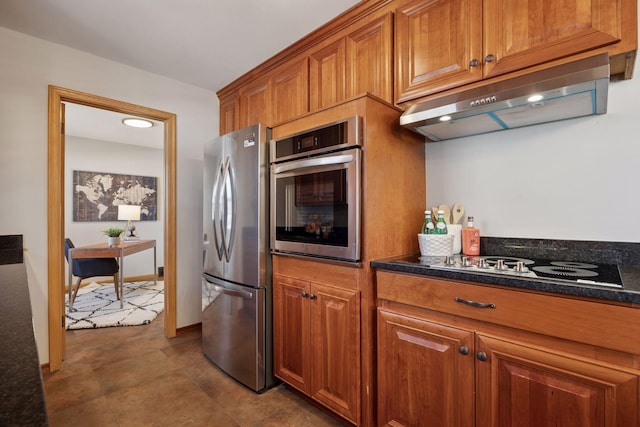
564,271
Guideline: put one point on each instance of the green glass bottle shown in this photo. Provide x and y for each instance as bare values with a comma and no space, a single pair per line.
427,225
441,226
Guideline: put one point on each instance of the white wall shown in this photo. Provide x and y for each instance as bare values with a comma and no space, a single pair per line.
27,66
84,154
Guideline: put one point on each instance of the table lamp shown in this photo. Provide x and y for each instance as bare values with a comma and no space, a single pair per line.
129,213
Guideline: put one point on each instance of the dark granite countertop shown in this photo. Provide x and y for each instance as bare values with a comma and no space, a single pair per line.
21,391
625,255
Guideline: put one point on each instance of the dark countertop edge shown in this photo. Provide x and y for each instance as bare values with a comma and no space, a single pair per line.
541,285
22,400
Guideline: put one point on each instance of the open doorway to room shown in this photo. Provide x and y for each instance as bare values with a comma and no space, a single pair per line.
114,180
58,183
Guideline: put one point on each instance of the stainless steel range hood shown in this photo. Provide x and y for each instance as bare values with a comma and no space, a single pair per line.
571,90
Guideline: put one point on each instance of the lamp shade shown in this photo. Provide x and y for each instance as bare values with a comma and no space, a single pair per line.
128,212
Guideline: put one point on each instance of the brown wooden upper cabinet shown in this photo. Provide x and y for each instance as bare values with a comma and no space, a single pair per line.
357,63
255,102
229,113
369,65
290,90
271,98
441,44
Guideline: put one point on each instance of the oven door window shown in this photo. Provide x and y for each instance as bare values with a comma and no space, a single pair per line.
312,207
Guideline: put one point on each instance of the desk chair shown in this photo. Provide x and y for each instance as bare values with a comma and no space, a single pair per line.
83,268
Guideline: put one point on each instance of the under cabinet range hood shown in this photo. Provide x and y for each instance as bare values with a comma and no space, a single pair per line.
566,91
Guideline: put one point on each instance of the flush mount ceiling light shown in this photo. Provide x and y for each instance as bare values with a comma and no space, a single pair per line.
445,118
535,98
137,123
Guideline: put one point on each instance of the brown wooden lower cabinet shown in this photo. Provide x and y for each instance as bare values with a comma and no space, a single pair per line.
317,342
425,373
436,368
519,385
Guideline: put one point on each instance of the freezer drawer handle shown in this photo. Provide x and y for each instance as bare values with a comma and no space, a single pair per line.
233,293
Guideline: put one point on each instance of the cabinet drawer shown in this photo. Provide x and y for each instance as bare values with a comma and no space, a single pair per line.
605,325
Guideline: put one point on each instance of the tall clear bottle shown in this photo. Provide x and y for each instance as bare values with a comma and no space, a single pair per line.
470,239
427,225
441,226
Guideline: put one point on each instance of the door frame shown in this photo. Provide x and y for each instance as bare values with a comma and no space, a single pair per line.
55,209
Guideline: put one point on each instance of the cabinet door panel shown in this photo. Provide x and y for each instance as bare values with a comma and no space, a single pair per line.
327,75
369,59
435,43
524,386
424,379
335,329
290,91
255,103
229,113
524,33
291,334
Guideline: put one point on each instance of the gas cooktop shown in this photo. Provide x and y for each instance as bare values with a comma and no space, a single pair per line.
565,271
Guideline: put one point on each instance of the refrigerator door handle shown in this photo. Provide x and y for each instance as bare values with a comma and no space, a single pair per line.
228,230
215,208
224,210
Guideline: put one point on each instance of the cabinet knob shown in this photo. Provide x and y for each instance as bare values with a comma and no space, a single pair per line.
464,350
482,356
304,294
489,58
473,63
312,296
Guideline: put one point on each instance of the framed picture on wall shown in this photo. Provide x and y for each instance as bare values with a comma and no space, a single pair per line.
96,195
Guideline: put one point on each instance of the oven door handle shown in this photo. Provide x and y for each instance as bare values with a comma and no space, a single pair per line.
313,162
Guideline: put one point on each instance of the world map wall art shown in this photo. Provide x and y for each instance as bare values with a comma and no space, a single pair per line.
96,195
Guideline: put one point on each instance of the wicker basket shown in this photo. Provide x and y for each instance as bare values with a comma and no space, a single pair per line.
435,244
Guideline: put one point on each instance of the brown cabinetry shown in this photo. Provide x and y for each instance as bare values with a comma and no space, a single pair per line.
356,60
317,347
290,90
276,96
255,102
486,367
229,113
423,376
369,59
400,50
327,75
357,63
442,44
519,384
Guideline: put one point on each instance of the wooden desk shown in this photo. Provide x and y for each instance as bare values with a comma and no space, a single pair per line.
103,250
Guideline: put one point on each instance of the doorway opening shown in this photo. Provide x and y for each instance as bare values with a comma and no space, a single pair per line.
55,208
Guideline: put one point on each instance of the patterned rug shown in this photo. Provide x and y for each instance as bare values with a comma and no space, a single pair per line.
96,305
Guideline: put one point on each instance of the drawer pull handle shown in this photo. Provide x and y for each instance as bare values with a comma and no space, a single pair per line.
482,356
464,350
475,304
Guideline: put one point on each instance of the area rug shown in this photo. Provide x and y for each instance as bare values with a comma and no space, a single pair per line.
96,305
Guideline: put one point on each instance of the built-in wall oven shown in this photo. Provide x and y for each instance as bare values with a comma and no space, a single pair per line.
315,191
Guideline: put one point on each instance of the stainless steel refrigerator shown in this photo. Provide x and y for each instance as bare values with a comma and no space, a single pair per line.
237,294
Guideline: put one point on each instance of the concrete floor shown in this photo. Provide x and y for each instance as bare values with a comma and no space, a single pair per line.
134,376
